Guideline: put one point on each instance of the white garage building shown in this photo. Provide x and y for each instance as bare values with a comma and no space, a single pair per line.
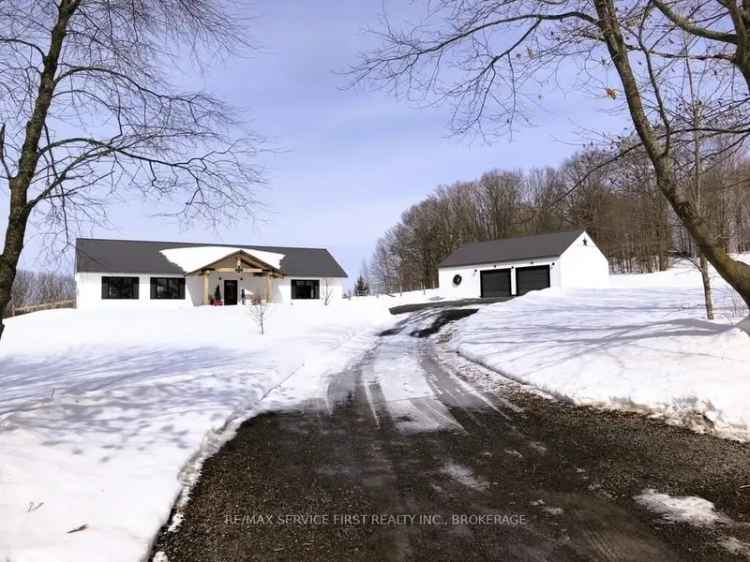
515,266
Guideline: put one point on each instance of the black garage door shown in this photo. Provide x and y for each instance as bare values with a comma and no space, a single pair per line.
495,283
531,278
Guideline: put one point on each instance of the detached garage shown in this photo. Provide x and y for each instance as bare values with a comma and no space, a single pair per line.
515,266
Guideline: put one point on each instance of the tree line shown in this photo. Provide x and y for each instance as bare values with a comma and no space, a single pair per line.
679,71
615,199
37,288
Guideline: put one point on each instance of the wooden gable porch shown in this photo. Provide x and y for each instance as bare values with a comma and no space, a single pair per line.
239,262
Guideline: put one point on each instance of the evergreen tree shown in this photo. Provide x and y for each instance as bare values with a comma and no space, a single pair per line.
361,288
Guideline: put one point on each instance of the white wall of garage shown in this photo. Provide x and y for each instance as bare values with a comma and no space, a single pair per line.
580,265
470,286
583,265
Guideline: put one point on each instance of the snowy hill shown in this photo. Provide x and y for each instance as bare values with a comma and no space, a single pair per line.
641,345
106,415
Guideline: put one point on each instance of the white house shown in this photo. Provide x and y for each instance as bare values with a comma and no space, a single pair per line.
127,272
515,266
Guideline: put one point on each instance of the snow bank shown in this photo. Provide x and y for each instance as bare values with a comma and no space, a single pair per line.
683,273
104,415
406,297
643,349
193,258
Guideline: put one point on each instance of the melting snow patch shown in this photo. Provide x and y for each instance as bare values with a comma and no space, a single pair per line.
735,546
538,447
693,510
464,475
409,398
176,522
553,510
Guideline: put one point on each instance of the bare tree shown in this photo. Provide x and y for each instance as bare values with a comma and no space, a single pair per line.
493,61
53,287
327,294
23,290
613,195
695,112
258,310
40,288
88,114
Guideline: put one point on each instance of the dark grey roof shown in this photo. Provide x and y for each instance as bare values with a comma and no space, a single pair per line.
512,249
131,256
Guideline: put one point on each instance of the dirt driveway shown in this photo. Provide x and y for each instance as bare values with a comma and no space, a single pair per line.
415,455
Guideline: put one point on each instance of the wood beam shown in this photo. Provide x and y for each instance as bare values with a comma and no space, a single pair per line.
232,270
205,287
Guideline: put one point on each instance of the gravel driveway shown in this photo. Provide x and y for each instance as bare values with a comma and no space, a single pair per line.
416,454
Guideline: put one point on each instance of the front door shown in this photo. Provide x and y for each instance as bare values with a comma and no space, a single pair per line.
230,291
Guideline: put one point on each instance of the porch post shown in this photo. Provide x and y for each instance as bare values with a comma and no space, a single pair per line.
268,287
205,287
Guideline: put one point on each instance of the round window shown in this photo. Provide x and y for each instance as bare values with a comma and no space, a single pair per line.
457,279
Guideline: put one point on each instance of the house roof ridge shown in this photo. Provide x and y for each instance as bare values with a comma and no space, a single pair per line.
130,240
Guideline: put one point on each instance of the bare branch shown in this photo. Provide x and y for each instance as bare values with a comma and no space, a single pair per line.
686,25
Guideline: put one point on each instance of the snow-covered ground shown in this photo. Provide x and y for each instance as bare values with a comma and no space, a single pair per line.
105,416
406,297
642,345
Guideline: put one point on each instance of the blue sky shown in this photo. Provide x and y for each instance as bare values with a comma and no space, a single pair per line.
349,161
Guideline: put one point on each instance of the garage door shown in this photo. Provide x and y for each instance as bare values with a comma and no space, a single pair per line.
531,279
495,283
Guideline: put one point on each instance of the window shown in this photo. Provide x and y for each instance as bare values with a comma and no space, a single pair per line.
120,288
167,288
305,289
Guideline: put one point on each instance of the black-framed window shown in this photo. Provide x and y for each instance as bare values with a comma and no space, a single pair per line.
305,289
120,288
167,288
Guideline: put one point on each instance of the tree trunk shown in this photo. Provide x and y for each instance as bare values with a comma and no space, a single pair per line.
20,207
14,236
736,273
708,297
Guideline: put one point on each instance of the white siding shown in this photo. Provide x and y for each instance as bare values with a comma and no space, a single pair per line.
89,292
580,265
194,289
470,286
89,289
281,289
334,286
584,265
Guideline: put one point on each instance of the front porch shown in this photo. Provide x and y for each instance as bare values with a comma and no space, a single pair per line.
238,274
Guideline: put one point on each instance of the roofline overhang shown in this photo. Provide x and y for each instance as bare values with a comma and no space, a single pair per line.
252,258
467,264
